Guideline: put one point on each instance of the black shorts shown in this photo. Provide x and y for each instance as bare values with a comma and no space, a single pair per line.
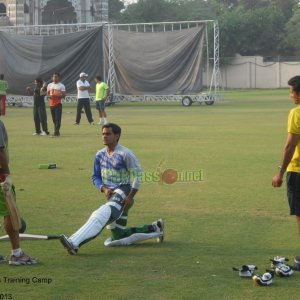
293,192
100,105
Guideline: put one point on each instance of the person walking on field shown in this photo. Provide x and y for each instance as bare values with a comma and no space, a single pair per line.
39,107
102,94
83,99
56,91
290,161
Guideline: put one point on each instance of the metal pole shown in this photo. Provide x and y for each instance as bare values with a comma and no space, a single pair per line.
207,57
215,80
111,59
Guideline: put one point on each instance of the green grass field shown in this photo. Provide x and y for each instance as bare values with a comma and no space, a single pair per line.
233,217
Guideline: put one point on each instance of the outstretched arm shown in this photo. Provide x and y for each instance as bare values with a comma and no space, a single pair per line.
134,167
3,162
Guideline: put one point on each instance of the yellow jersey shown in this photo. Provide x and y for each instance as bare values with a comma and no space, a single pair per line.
294,127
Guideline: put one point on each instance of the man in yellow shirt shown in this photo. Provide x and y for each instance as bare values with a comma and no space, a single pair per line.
102,93
291,158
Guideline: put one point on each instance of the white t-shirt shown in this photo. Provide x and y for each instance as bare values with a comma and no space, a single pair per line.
85,93
55,89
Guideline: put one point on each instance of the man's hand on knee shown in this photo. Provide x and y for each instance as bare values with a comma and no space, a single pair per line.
7,183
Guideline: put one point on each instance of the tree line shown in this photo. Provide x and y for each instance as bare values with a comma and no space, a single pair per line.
247,27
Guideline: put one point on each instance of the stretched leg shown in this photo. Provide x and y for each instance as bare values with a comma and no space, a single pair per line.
13,235
79,109
298,223
93,227
52,110
36,119
293,194
18,257
43,118
87,109
98,107
103,113
133,235
104,215
58,115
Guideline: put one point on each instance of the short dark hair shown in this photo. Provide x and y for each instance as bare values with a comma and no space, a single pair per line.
99,78
116,129
56,73
39,80
294,82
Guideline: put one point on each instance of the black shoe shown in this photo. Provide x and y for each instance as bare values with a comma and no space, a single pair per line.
68,245
54,135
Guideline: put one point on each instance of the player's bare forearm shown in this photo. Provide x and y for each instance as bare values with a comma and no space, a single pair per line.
84,88
132,193
29,91
128,201
62,96
287,156
4,162
108,192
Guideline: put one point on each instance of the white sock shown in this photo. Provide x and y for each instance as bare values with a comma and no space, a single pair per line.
17,252
105,120
92,227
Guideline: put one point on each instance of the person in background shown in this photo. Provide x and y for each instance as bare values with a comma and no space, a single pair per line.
102,93
83,87
56,91
39,107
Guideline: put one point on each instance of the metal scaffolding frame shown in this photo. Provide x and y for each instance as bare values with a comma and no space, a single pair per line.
111,77
216,78
213,91
210,96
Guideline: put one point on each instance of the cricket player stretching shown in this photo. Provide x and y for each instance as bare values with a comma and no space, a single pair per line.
114,166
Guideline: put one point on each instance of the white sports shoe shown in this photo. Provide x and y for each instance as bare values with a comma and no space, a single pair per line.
100,123
263,280
24,259
35,133
284,271
43,133
246,270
